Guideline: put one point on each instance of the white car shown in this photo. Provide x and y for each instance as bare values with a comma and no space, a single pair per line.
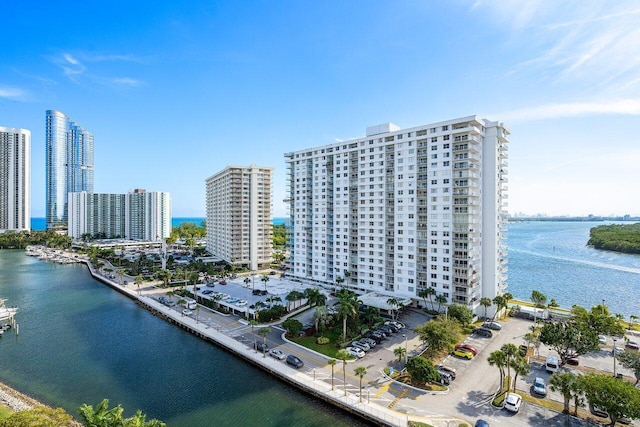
241,303
187,312
355,352
361,345
277,354
512,402
602,339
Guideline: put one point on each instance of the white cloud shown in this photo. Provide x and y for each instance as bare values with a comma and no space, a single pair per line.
553,111
127,81
13,93
73,66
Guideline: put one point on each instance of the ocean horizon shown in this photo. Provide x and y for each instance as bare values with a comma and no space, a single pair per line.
39,224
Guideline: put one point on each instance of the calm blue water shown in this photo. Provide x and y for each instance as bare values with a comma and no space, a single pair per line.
41,223
552,257
81,342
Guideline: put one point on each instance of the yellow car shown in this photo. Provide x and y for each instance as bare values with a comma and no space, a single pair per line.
463,353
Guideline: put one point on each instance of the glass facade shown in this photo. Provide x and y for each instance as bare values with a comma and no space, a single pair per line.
69,159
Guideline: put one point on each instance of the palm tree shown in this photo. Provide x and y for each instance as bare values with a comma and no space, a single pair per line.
348,304
290,298
427,293
539,300
371,314
440,299
360,371
510,351
343,355
500,302
339,281
265,279
121,274
399,352
507,296
332,363
520,367
253,324
320,317
137,281
499,360
394,303
632,320
486,303
264,332
101,415
564,382
247,281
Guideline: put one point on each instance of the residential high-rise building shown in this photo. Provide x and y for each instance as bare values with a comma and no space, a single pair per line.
239,227
137,215
69,158
15,179
402,210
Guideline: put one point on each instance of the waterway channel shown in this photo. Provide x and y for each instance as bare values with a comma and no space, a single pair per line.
80,342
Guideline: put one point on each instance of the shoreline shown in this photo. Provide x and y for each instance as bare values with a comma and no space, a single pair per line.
16,400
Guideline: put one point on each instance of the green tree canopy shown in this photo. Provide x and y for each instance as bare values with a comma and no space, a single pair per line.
461,313
292,326
569,339
439,334
422,369
630,359
618,398
41,416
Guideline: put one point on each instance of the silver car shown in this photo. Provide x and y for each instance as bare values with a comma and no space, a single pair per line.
361,345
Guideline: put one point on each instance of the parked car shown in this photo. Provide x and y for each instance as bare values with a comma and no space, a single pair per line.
187,312
294,361
381,332
372,343
241,303
463,354
262,347
602,339
445,378
375,337
387,330
391,326
170,303
522,350
512,402
448,369
162,299
481,423
398,325
256,292
277,354
207,292
448,375
361,345
492,325
223,282
355,352
483,332
467,347
575,361
263,292
598,412
539,386
633,345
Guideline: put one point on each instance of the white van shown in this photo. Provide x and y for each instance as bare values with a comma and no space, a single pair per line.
191,305
552,364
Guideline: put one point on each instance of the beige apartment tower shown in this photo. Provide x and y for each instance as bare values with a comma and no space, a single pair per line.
239,215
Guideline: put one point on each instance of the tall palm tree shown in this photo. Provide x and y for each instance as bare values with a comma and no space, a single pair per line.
319,318
520,367
253,324
563,382
247,281
399,352
138,281
510,352
348,304
632,320
486,303
265,279
500,303
539,300
264,332
427,293
343,355
394,303
290,298
332,363
339,281
499,360
440,299
360,371
371,314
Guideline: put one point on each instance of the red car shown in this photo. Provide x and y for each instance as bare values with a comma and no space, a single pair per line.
467,347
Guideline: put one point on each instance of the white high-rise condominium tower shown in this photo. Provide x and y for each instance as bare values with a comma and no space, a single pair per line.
402,210
239,215
137,215
15,179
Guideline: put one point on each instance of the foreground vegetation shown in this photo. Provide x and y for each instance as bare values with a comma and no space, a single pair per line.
616,237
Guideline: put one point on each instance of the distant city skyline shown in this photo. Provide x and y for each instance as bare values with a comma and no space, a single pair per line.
175,92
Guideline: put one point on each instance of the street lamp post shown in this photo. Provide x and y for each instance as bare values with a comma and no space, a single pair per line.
406,354
614,356
603,307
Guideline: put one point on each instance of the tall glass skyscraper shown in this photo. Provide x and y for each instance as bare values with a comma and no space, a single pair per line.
69,165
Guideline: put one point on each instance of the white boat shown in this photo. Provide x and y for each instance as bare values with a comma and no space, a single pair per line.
6,313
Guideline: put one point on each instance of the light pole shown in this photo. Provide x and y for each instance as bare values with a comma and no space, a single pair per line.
603,307
314,374
406,354
614,357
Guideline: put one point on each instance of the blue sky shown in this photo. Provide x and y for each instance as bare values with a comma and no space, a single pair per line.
176,91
